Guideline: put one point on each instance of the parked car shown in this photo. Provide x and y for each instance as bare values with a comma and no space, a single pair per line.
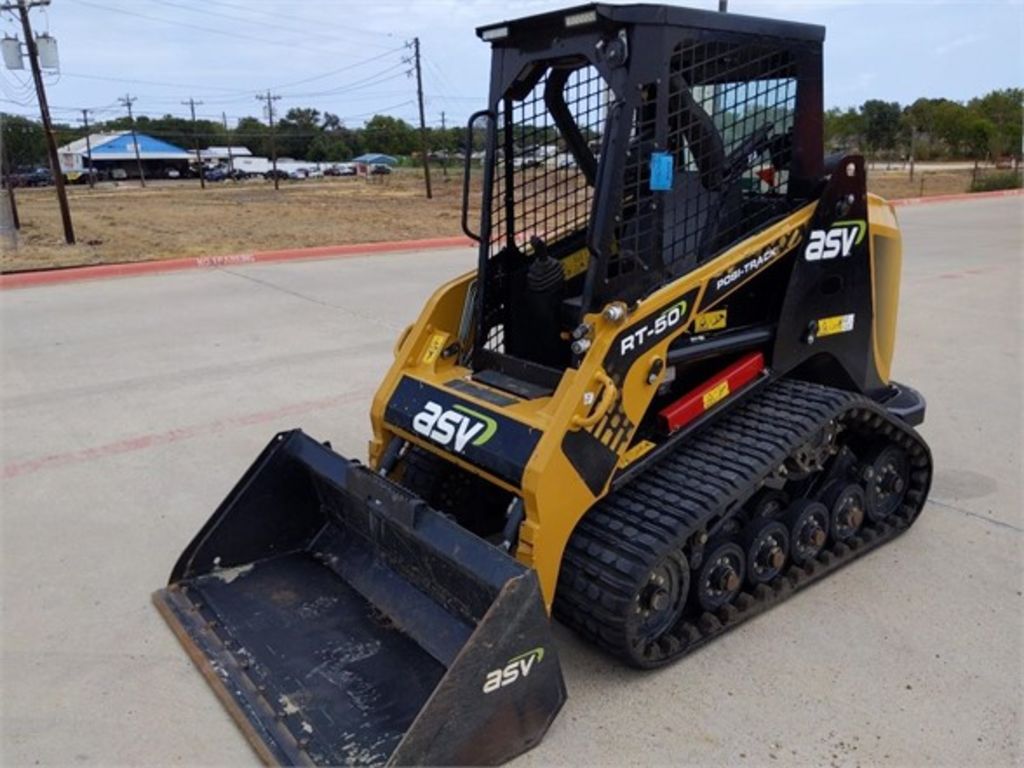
82,177
172,173
341,169
217,174
379,169
278,173
564,161
523,162
32,177
314,173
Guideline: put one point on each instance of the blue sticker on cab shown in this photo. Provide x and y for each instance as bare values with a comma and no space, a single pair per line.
662,171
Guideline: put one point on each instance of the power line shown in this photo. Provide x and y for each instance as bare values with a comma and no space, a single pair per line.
343,69
368,82
245,94
159,83
185,24
291,45
206,11
295,17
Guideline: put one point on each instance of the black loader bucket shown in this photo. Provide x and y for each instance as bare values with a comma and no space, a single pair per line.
342,621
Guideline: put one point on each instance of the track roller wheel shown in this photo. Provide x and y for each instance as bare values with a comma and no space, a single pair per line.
886,478
808,529
846,510
659,602
767,550
721,574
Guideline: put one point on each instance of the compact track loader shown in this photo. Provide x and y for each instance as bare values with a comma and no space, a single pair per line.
660,405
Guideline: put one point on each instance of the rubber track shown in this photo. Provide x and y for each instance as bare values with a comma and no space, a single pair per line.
616,544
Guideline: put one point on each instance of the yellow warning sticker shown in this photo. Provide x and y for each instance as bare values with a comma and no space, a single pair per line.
576,263
635,453
830,326
434,347
716,394
711,321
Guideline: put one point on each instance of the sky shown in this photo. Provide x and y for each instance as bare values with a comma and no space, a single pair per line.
351,58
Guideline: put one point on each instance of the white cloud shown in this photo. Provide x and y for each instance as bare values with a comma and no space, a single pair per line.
961,41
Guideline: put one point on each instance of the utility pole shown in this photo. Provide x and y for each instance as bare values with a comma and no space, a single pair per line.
423,120
88,148
231,160
195,140
22,7
913,149
723,6
127,101
444,138
269,99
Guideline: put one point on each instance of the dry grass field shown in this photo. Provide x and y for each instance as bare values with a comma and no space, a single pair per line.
122,222
174,219
895,184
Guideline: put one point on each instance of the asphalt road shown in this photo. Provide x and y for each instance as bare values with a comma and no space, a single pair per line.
130,407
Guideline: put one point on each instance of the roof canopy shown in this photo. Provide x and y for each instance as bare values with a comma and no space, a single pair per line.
119,146
526,29
372,158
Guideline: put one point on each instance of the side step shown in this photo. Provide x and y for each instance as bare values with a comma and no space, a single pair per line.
342,621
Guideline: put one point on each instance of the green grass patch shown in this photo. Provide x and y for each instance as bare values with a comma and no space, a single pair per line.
990,182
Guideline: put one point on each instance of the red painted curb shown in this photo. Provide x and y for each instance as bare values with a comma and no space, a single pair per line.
956,197
74,274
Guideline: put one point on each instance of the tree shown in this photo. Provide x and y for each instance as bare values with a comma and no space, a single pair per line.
390,135
950,122
331,147
296,132
979,137
253,135
23,142
844,129
881,124
1005,112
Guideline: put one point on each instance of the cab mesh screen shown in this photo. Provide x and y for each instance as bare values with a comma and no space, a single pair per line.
547,143
731,110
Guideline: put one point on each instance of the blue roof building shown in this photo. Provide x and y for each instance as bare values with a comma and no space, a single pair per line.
117,150
375,158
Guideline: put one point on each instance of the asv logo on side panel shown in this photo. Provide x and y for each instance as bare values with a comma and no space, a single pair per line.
835,242
454,427
516,667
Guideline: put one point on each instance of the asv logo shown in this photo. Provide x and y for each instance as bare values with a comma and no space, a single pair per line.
835,242
455,427
517,666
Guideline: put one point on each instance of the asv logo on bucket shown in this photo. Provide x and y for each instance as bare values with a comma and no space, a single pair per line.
454,427
517,666
837,241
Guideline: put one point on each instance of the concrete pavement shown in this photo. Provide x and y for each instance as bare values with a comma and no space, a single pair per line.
130,406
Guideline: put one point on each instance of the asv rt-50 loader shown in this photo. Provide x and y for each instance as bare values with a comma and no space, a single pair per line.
660,405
